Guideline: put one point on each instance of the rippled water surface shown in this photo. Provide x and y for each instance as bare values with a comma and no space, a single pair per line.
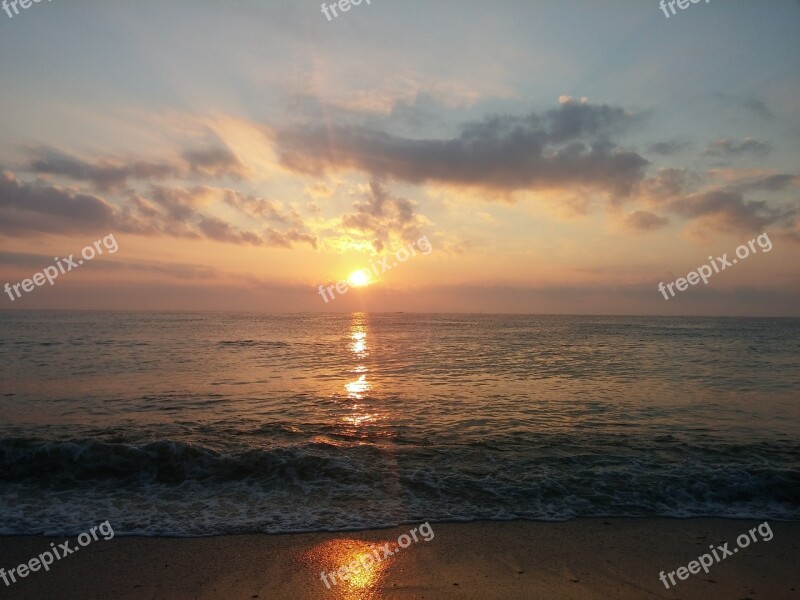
196,424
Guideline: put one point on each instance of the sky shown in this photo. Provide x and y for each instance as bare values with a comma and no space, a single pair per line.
550,157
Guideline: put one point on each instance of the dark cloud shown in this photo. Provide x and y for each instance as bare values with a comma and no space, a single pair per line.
261,208
217,229
645,221
560,148
111,174
216,162
286,239
749,103
668,148
165,211
729,148
769,183
727,210
104,175
222,231
573,121
30,208
380,215
685,194
668,183
180,204
176,211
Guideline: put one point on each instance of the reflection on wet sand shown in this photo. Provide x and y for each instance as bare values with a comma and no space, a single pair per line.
351,569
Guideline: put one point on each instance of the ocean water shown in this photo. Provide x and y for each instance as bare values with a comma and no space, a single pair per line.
206,424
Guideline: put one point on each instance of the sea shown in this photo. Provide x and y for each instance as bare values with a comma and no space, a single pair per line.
199,424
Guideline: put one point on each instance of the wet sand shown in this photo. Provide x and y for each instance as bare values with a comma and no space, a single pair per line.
581,559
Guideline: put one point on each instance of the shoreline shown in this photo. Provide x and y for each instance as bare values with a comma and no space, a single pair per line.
578,559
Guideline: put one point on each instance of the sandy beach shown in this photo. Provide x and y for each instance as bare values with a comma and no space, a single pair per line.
580,559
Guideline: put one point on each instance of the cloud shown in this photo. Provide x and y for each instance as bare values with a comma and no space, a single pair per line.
261,208
104,175
217,229
176,211
286,239
711,206
181,204
728,148
645,221
27,208
668,183
668,148
564,147
30,209
381,216
727,210
770,183
108,174
749,103
215,162
221,231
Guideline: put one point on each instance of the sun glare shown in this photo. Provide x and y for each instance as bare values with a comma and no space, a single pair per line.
358,279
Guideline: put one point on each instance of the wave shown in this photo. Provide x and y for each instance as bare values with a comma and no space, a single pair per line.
178,488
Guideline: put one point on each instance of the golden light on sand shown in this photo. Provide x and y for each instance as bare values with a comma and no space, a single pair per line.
359,278
363,571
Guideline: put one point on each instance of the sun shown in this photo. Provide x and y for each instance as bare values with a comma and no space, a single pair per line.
358,278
